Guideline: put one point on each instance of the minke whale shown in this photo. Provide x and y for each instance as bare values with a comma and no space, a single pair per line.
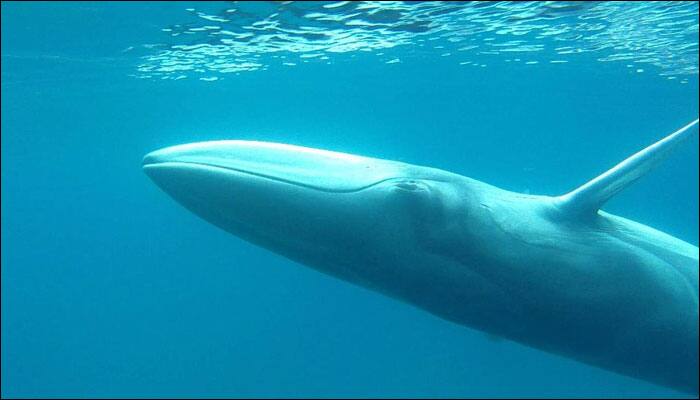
551,272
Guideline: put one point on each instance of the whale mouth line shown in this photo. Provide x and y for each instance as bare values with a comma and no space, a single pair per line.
146,165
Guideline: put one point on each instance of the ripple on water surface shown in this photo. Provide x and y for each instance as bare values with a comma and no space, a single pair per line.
236,37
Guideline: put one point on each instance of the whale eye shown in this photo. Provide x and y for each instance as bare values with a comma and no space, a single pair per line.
414,198
407,185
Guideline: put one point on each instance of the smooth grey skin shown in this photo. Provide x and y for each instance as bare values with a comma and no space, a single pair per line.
553,273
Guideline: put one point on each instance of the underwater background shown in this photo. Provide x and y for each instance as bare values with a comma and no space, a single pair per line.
112,289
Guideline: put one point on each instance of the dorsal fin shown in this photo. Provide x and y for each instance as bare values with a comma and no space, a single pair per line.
589,197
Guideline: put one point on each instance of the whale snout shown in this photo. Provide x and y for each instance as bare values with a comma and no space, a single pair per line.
313,168
152,158
281,197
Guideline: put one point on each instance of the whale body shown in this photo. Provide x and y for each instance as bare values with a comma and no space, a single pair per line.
551,272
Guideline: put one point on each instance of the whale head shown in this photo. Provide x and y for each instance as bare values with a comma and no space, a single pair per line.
322,208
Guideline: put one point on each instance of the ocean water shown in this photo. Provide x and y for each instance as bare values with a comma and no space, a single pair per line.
112,289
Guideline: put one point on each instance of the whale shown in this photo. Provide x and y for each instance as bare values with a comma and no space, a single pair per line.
552,272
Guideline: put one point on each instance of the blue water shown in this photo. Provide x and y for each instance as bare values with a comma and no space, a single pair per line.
111,289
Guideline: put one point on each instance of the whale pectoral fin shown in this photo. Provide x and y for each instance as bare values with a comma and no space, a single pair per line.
589,197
